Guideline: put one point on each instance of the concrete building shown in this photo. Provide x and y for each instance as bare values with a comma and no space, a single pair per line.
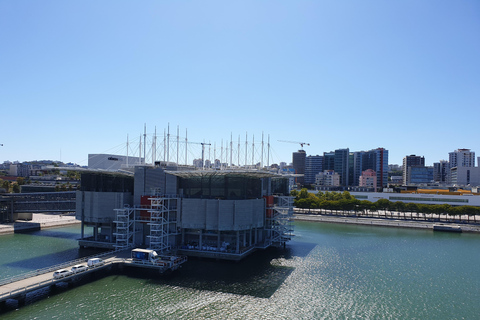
341,165
20,170
408,162
206,213
420,175
368,179
298,162
377,160
465,176
313,166
112,162
327,178
440,171
461,158
454,200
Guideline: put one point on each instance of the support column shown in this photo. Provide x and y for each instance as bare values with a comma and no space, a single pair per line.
238,242
200,240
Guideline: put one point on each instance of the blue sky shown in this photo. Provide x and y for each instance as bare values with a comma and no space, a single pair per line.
77,77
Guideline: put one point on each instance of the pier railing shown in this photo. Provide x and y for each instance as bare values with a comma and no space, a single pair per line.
52,268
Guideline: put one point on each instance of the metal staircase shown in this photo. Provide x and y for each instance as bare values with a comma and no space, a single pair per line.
163,222
125,227
280,224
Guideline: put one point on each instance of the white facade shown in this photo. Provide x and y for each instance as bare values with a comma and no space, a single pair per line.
327,178
112,162
454,200
463,176
462,158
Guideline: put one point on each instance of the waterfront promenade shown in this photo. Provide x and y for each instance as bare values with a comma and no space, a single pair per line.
382,222
39,221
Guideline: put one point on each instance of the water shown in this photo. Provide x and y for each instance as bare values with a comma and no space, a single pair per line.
328,272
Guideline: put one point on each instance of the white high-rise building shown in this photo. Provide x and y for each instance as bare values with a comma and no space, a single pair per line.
461,158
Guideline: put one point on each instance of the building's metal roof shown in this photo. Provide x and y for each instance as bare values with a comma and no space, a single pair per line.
211,173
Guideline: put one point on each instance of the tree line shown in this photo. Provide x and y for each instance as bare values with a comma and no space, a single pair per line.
343,203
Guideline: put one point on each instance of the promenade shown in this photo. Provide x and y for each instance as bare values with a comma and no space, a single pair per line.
39,221
381,222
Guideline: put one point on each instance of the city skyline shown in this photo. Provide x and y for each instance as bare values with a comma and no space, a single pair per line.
78,78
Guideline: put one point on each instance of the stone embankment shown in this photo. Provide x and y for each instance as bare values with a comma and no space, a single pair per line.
397,223
39,221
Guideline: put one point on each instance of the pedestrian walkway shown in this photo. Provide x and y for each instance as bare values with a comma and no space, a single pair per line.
382,222
39,221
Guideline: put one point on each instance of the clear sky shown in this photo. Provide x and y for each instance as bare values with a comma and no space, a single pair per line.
78,77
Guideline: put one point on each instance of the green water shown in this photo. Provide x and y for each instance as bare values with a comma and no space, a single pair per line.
328,272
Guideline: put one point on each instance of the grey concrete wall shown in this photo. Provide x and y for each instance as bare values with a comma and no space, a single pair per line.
223,215
99,206
211,215
149,180
193,214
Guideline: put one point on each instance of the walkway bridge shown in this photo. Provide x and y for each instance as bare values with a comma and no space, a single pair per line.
12,204
17,287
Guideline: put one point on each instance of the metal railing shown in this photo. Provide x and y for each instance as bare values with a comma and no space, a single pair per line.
52,268
52,280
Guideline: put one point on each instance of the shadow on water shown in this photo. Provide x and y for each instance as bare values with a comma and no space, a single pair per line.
254,276
51,259
53,233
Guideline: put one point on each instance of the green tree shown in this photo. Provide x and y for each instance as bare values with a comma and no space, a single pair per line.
15,187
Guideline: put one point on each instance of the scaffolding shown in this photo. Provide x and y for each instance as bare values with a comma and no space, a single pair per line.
163,222
279,224
125,222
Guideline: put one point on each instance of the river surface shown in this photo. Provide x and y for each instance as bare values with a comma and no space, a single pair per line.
329,271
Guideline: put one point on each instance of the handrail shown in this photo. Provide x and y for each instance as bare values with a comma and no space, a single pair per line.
53,268
52,280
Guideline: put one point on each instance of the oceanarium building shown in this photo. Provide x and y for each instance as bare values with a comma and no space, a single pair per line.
208,213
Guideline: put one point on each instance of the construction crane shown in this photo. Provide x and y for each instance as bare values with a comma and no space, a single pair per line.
203,150
300,143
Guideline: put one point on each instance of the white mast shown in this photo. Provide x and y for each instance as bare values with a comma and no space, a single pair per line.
164,146
268,152
253,150
127,150
238,155
246,146
154,146
168,144
186,145
178,142
140,150
145,143
231,149
221,155
261,157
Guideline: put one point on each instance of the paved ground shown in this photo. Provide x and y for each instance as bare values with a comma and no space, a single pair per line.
39,220
381,222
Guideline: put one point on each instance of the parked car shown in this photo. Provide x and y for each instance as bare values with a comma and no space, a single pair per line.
79,268
62,273
95,262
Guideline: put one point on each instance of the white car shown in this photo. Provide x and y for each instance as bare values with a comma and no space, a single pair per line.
62,273
79,268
